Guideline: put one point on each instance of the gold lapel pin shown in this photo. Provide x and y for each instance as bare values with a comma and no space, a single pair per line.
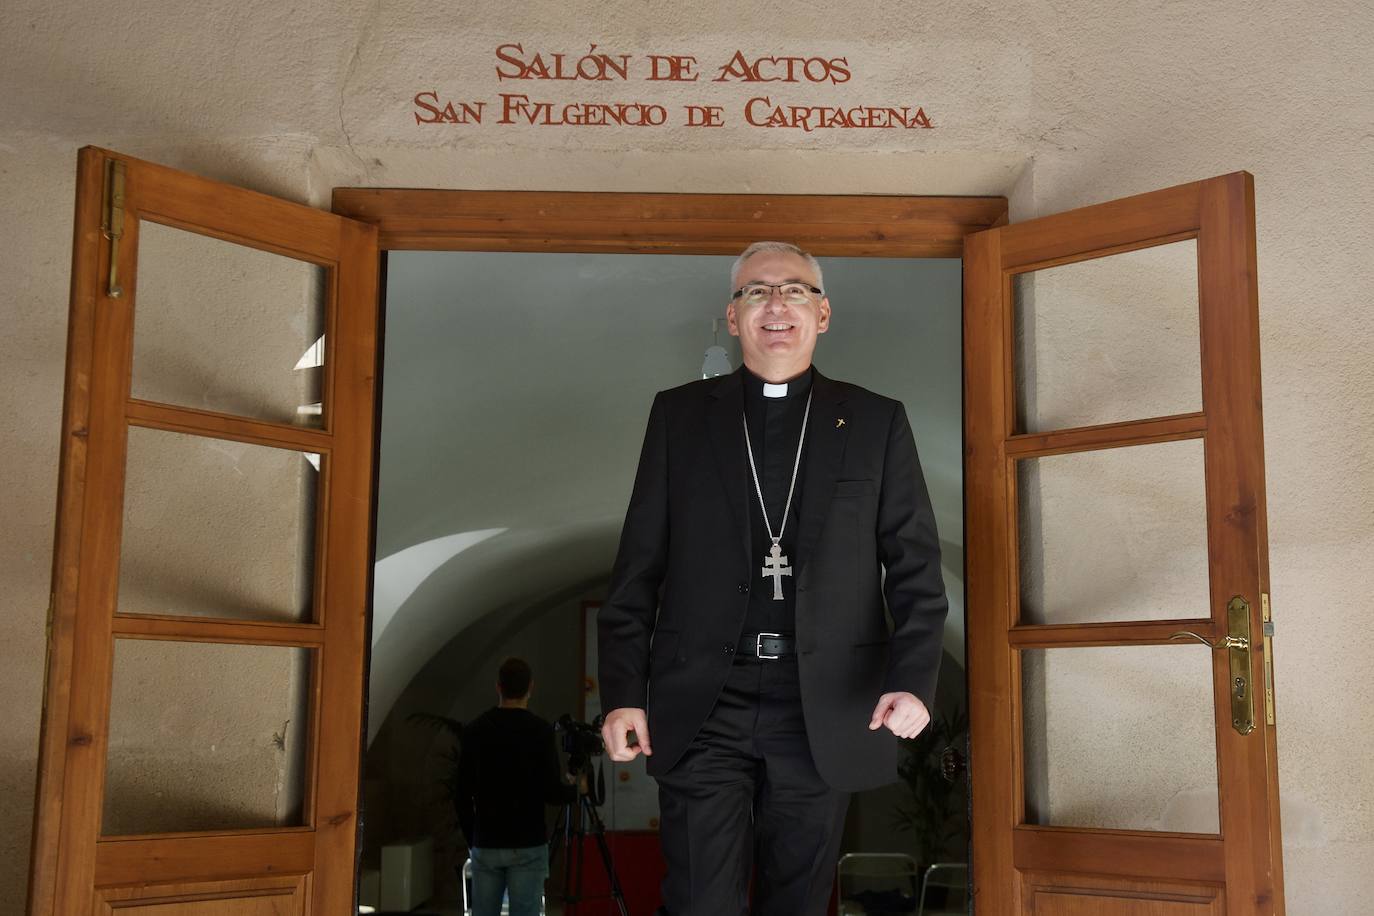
839,422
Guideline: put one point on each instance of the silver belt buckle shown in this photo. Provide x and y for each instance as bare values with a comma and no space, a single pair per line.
758,645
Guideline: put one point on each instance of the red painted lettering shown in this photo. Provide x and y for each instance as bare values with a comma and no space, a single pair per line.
705,116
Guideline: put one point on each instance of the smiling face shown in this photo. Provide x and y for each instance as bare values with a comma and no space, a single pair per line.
777,339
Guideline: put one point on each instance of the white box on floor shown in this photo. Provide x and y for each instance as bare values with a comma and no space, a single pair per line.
407,874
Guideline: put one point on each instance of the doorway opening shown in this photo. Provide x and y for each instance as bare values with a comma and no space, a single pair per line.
516,386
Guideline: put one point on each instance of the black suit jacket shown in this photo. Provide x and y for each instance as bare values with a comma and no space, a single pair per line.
679,589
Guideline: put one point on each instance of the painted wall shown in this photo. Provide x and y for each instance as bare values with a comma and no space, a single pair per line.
1053,104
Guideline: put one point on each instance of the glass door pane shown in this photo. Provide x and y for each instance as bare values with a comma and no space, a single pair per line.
1108,339
223,327
1113,535
206,736
1120,737
217,528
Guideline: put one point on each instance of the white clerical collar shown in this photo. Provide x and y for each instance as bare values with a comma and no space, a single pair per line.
774,391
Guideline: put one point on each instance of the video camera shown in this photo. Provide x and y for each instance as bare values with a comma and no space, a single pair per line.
581,740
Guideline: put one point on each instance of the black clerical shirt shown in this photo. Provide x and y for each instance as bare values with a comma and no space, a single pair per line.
775,426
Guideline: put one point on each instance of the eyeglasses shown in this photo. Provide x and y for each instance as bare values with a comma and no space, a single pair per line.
791,293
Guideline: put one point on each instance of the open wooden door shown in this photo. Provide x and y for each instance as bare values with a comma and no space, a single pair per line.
202,715
1115,481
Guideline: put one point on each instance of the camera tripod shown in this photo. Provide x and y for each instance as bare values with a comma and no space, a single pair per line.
571,830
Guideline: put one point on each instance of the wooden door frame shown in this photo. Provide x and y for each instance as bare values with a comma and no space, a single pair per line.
827,225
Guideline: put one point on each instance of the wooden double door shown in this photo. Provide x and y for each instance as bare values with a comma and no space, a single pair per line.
203,717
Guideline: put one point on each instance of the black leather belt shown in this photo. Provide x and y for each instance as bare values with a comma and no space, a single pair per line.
767,645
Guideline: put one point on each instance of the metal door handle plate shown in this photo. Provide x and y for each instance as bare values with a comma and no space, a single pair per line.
1237,645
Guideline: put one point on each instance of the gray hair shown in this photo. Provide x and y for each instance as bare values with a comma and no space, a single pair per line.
781,247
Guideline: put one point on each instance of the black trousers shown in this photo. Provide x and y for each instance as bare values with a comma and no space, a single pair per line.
746,797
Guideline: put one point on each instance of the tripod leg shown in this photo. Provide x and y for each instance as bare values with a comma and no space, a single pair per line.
599,831
569,819
556,835
579,844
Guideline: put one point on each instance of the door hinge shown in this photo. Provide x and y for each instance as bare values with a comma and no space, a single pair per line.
112,221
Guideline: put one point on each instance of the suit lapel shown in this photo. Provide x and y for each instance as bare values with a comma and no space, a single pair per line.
725,421
825,441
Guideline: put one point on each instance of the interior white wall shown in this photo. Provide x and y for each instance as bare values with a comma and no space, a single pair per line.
1056,104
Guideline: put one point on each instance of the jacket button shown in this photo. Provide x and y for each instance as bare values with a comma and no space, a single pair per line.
743,588
729,649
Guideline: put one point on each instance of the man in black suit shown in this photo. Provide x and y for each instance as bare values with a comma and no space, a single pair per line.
743,642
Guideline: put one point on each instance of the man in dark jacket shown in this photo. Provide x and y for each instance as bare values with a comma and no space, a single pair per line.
508,772
744,643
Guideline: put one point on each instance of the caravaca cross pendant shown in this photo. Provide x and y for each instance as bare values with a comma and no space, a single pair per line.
776,567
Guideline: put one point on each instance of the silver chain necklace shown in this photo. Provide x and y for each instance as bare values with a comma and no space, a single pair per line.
775,567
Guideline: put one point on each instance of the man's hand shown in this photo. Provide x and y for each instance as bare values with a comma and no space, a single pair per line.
615,732
902,713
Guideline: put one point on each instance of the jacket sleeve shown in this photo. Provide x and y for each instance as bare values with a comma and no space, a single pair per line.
625,622
909,549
